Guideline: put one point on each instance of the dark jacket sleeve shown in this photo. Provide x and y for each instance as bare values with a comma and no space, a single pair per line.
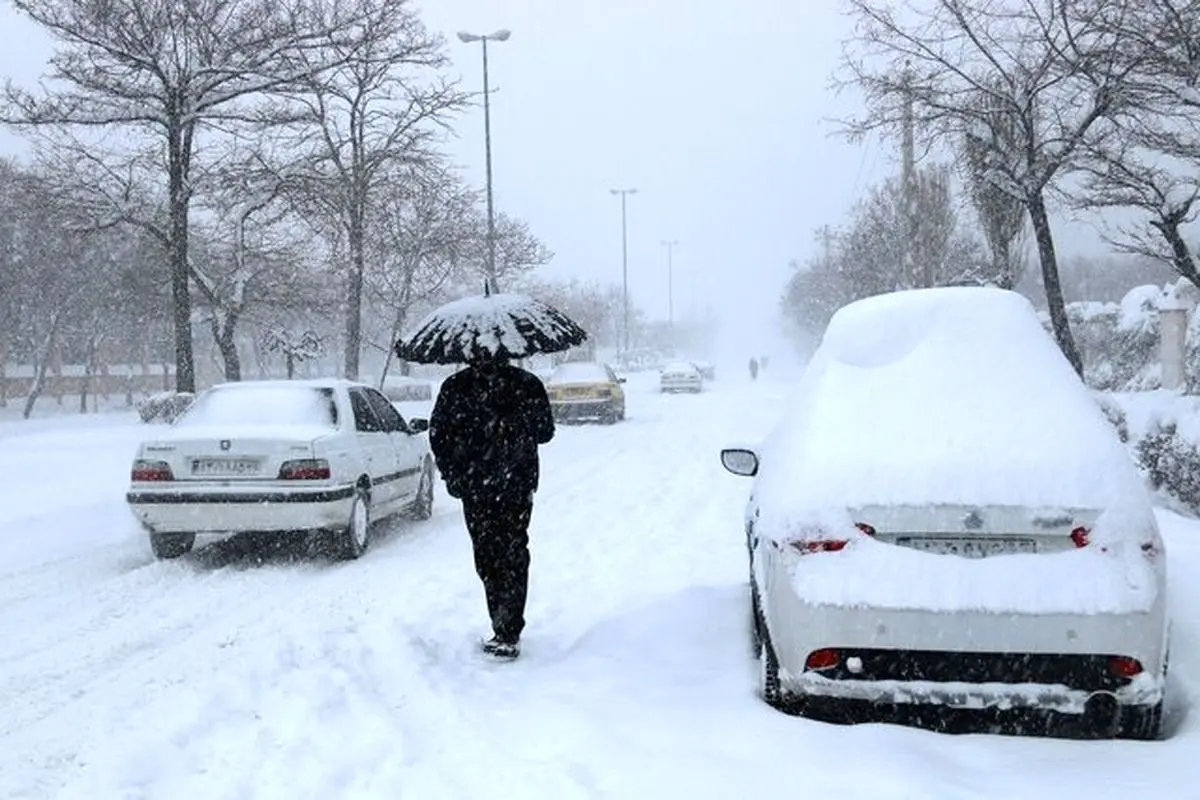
541,416
442,438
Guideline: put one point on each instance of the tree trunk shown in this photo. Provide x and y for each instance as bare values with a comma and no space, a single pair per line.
3,371
1054,294
290,360
354,291
58,374
89,367
179,144
42,365
1181,256
224,326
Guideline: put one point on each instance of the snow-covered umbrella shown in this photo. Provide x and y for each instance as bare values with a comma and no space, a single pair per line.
508,325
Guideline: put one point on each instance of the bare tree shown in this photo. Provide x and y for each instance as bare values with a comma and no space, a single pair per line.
168,69
1153,166
295,346
384,106
1057,69
1001,213
421,228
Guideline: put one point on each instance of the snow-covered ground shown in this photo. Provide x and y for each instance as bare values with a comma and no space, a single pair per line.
243,672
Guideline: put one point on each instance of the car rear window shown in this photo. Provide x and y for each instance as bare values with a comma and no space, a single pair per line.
262,405
579,373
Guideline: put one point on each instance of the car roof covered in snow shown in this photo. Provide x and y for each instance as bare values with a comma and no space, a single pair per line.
948,395
284,383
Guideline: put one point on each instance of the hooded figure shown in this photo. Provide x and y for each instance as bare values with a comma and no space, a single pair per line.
485,429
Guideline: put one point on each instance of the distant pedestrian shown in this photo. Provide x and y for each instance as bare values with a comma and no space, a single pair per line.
485,429
753,369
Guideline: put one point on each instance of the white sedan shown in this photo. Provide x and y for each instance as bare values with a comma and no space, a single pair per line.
273,456
681,376
944,521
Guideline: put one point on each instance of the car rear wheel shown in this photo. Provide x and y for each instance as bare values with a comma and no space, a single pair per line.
358,530
171,545
768,664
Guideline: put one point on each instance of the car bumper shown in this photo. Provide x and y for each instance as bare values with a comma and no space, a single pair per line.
971,660
210,510
577,409
681,386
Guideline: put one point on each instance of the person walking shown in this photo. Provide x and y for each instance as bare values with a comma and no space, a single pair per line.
753,368
485,430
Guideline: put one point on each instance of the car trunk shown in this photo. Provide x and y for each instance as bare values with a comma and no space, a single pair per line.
230,455
979,531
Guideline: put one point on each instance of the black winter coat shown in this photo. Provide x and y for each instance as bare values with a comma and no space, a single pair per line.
485,430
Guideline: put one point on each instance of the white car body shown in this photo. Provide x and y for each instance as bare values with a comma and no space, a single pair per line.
681,376
1050,601
259,456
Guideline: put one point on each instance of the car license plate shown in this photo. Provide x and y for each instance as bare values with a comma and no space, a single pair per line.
973,547
225,466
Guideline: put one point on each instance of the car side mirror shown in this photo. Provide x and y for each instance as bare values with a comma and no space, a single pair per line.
740,461
620,380
418,425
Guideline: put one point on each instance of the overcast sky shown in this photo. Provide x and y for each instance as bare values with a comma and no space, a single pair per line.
715,112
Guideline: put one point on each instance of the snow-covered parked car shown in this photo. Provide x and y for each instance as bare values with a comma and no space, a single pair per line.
265,456
944,519
681,376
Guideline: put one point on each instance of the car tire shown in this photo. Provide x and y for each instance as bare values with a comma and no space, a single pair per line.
1143,723
171,545
768,666
357,533
756,640
422,507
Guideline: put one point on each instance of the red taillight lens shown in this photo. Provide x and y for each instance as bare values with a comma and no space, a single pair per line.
305,469
826,658
1080,537
807,546
144,470
1124,666
869,530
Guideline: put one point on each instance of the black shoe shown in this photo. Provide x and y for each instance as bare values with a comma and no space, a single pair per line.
500,648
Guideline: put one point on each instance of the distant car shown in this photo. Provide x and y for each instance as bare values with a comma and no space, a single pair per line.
581,390
681,376
945,520
290,456
707,370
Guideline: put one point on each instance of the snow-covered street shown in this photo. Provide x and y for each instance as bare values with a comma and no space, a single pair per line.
242,672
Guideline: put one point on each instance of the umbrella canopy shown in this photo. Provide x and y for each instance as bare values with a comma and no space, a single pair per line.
509,326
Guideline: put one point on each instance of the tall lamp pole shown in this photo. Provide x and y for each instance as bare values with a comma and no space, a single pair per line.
498,36
670,245
624,193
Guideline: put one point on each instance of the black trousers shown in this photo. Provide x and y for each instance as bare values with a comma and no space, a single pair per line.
499,528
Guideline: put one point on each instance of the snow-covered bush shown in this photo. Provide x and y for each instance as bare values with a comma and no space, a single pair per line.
1172,463
1116,415
164,406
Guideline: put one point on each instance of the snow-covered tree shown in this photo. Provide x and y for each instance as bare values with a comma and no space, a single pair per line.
295,346
170,69
384,107
1055,69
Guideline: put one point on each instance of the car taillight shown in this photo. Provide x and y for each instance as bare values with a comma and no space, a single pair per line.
305,469
144,470
1124,666
807,546
869,530
1080,537
825,658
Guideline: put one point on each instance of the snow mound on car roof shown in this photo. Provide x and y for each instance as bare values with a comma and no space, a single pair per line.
951,395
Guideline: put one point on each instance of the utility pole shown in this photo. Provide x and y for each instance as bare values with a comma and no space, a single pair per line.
624,193
498,36
908,181
670,245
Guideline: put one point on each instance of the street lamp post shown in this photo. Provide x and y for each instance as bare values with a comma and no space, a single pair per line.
498,36
670,245
624,193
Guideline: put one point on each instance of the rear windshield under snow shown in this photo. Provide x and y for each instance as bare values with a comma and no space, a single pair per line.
262,405
579,373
